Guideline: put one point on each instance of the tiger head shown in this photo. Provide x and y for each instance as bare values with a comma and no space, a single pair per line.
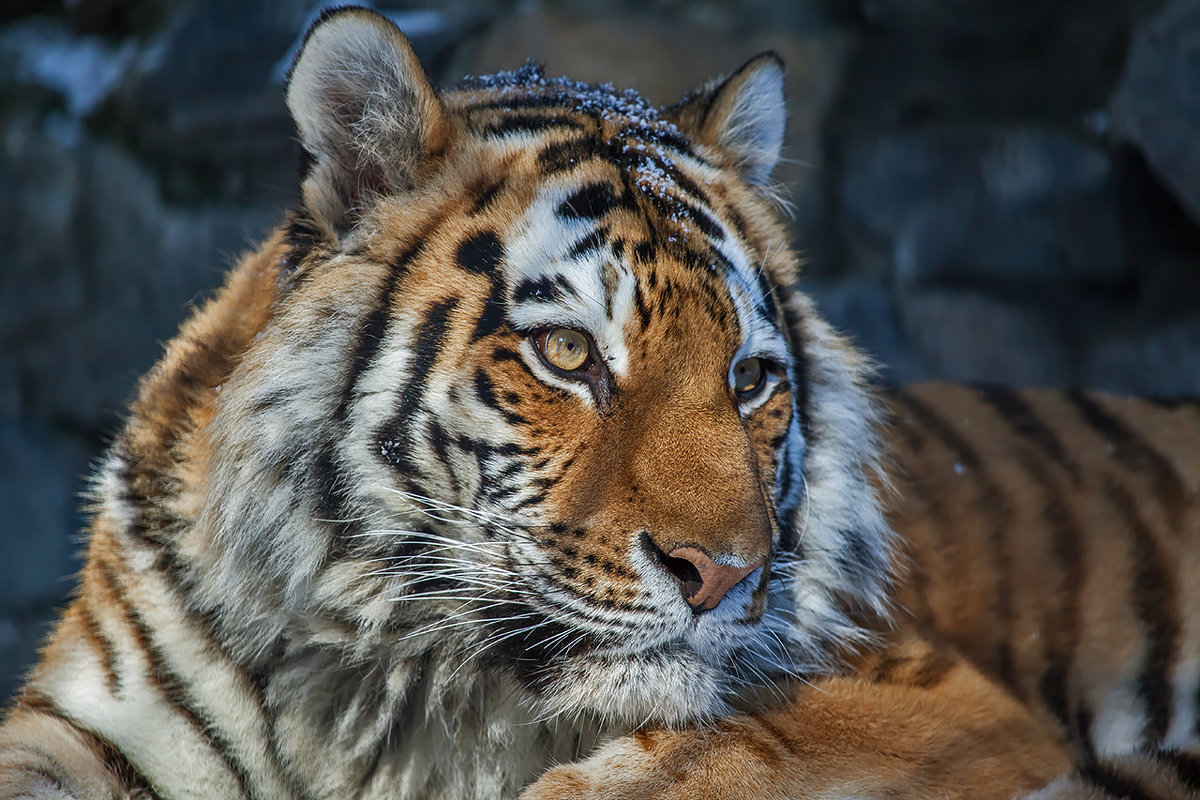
533,395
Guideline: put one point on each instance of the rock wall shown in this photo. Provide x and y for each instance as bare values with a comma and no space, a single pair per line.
1000,190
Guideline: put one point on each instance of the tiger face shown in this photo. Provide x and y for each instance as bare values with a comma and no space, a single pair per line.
535,397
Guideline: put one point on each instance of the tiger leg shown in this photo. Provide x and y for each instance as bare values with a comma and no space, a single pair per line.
919,722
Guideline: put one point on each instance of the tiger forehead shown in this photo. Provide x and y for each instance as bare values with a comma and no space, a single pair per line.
525,102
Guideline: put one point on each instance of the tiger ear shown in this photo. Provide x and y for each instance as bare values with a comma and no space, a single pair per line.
367,114
743,115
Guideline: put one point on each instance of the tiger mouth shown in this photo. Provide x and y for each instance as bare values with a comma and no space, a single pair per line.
555,658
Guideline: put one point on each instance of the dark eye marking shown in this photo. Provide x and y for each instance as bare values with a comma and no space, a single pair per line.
541,290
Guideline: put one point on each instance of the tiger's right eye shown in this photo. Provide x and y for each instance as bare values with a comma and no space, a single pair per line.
564,348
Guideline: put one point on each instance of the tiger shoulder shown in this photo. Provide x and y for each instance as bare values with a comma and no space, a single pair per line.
515,462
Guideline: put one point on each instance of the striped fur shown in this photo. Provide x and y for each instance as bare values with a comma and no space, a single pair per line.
1046,643
361,537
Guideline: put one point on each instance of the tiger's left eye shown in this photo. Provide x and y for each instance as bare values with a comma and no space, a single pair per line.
748,376
564,348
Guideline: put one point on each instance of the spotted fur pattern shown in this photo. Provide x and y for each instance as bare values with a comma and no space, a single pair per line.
362,537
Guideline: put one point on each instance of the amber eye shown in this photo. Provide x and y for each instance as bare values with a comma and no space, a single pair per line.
747,376
564,348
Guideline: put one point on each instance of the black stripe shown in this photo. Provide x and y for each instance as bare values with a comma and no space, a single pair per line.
1023,419
302,236
395,436
531,123
643,307
995,508
801,397
182,584
481,253
373,331
508,101
734,217
1154,600
768,295
108,651
1063,612
130,777
441,442
562,156
588,244
494,314
590,202
660,136
1173,402
486,197
1134,453
651,164
542,290
1103,777
172,687
1084,718
1185,766
427,346
646,252
320,478
934,669
708,226
486,391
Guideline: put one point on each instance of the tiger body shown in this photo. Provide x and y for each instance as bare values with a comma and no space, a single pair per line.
516,446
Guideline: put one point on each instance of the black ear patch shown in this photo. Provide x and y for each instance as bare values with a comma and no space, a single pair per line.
481,254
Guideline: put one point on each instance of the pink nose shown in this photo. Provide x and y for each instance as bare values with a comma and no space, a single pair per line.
704,588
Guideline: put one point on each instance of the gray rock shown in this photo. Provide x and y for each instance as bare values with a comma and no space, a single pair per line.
867,313
98,270
40,482
980,206
22,631
1163,360
202,107
970,336
1157,104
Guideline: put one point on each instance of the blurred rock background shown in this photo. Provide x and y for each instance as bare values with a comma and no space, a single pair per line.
999,190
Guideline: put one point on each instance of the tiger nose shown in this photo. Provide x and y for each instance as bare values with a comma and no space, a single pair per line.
703,581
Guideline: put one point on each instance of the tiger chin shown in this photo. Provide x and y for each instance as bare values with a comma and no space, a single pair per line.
512,438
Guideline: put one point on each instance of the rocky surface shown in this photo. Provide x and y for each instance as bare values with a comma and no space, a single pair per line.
985,189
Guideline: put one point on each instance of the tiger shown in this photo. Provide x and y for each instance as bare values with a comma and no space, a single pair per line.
516,462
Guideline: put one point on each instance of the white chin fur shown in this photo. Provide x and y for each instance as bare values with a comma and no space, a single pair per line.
668,688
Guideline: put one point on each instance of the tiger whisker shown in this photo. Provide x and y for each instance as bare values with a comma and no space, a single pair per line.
493,641
509,527
469,586
458,577
458,623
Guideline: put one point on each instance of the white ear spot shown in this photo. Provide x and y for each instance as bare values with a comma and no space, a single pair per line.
365,111
743,115
753,128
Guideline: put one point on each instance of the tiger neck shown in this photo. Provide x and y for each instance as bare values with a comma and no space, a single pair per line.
310,719
404,729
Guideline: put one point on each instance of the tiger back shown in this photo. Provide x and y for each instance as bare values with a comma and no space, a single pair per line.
516,445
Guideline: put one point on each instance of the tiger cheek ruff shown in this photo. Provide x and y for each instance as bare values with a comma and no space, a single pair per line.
512,440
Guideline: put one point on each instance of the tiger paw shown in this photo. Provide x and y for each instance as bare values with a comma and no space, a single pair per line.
721,762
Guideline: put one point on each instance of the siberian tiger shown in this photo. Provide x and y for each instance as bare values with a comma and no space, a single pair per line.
516,445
